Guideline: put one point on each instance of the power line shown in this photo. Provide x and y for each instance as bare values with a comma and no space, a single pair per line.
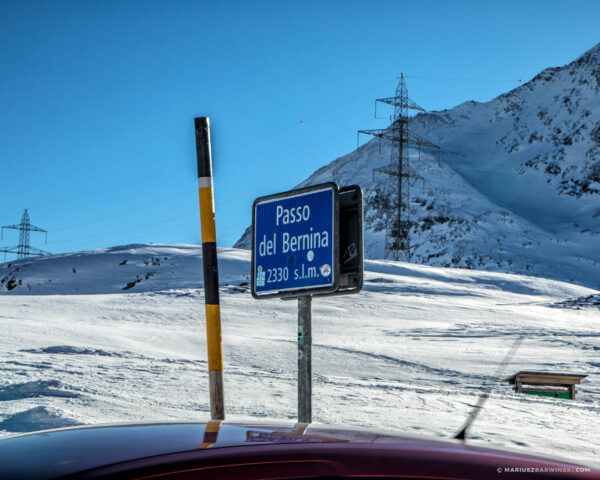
219,205
220,210
110,189
345,101
504,80
120,214
238,146
162,173
128,229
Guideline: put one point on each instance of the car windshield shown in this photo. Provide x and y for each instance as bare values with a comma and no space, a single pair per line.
186,210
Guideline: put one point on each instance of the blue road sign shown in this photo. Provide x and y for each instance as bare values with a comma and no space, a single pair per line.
295,244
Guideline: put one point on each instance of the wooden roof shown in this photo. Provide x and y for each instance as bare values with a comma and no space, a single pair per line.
551,377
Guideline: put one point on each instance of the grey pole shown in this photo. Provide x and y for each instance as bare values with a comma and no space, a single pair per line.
304,360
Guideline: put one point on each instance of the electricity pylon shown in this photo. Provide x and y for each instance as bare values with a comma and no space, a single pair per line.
398,222
24,250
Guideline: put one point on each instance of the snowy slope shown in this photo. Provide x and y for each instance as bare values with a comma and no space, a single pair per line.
518,186
411,353
133,268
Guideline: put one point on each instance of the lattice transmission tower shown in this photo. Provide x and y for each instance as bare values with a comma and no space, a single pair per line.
24,250
398,221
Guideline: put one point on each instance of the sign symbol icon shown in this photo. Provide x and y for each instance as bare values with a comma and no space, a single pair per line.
260,277
310,255
325,270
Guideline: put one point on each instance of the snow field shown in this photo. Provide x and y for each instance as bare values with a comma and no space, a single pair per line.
411,353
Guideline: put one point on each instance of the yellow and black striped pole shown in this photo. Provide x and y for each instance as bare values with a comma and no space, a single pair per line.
211,272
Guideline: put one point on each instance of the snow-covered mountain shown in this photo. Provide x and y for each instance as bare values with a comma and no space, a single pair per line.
518,185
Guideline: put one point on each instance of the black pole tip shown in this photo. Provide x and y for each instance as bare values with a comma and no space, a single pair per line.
203,153
202,123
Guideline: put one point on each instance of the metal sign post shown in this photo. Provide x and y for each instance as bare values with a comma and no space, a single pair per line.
304,360
307,242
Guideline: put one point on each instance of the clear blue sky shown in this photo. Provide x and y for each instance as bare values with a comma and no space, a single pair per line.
98,98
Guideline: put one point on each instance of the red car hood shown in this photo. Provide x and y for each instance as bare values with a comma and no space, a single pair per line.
148,448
